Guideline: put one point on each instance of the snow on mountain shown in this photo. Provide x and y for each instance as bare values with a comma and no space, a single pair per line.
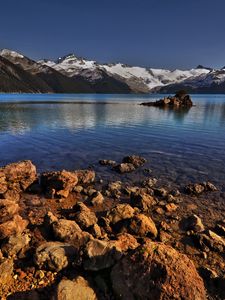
71,65
7,52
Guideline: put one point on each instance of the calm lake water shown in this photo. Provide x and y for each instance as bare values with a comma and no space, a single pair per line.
75,131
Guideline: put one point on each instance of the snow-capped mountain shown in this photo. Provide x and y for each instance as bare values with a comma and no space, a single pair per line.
147,78
70,74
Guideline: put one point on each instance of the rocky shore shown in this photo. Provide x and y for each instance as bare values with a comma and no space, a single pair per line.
69,235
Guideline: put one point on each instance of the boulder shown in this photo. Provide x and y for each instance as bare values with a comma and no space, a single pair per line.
13,227
6,271
59,183
120,212
97,199
84,216
7,210
54,256
69,231
100,255
194,223
15,245
85,176
142,225
142,201
78,289
17,176
156,271
135,160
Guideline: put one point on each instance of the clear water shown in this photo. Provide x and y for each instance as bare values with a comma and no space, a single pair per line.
75,131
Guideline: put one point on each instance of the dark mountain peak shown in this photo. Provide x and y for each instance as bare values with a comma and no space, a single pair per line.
202,67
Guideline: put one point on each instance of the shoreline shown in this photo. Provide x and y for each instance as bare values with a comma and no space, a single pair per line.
54,206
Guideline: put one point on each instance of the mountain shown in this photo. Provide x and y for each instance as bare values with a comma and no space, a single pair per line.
74,74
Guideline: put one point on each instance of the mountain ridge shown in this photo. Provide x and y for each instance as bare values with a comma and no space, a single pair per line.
75,74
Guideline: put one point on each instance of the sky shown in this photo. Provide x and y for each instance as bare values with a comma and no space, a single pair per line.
152,33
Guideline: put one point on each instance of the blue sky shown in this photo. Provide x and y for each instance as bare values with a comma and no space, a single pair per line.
153,33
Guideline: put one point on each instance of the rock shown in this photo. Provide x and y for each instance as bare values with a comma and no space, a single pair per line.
194,223
210,240
177,101
150,182
199,188
120,212
124,168
107,162
126,241
7,210
156,271
159,210
6,271
97,199
135,160
142,201
160,192
100,255
78,189
11,195
171,207
165,237
17,176
84,216
85,176
54,256
78,289
142,225
59,183
13,227
15,245
114,188
69,231
96,231
49,219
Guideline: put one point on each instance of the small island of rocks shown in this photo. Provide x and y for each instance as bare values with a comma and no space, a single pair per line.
180,100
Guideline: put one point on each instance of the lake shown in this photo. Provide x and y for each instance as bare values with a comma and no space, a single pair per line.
75,131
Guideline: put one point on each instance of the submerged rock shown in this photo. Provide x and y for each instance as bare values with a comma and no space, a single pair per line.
125,168
156,271
135,160
107,162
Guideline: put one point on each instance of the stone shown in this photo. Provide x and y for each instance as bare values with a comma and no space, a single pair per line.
84,216
11,195
142,225
156,271
78,189
6,271
161,192
100,255
13,227
15,245
107,162
135,160
124,168
150,182
18,176
60,183
85,176
7,210
209,241
199,188
78,289
69,231
97,199
54,256
142,201
171,207
194,223
120,212
125,242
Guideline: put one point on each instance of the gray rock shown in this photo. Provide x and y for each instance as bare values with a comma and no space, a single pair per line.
54,256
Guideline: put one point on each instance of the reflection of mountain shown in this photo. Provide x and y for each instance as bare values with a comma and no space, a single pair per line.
21,118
